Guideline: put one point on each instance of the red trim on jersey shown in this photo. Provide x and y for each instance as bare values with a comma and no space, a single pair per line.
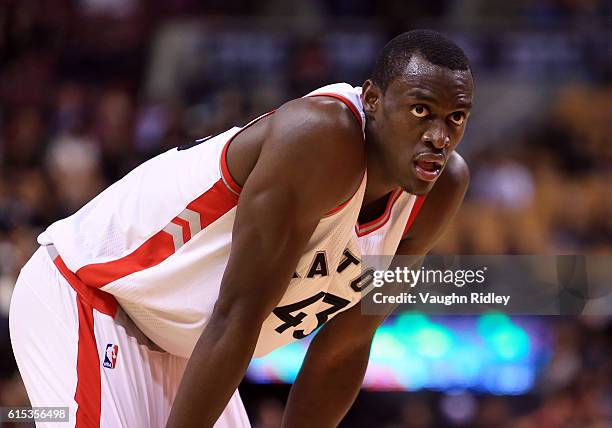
227,177
415,210
342,205
346,101
225,173
152,252
184,224
97,299
236,188
339,207
371,226
211,205
88,393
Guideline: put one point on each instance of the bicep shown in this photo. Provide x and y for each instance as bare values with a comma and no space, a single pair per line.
285,195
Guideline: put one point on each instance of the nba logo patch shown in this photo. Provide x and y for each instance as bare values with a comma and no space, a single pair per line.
110,356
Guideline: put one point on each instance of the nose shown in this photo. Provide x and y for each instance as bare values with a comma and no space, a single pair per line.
436,137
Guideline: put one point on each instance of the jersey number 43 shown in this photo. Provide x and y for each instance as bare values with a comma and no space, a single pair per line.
293,316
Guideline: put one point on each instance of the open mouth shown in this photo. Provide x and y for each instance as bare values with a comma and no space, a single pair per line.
428,166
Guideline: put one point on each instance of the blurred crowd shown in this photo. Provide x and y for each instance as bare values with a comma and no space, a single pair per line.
547,191
80,106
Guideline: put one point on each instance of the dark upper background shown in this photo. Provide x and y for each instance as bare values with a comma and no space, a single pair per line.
91,88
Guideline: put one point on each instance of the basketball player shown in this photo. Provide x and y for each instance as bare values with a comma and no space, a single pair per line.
145,307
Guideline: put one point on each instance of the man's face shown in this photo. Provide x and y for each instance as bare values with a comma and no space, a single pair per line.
418,121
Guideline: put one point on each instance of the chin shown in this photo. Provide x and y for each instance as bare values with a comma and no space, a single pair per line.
418,187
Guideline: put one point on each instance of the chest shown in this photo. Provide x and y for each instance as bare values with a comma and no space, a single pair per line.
328,282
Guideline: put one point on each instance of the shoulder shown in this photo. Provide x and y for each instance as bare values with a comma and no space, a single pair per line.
328,120
322,133
314,147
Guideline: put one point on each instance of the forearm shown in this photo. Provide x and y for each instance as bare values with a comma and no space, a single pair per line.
326,387
218,363
252,285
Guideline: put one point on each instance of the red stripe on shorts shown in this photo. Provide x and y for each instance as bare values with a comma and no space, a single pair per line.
97,299
88,395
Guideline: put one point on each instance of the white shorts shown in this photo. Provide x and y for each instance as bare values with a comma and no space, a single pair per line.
81,351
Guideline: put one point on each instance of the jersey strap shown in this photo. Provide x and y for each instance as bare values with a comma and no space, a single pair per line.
413,214
229,181
346,101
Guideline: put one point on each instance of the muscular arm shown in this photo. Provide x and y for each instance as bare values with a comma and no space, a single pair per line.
337,358
294,182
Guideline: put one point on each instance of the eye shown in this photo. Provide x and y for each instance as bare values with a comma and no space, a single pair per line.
457,118
419,110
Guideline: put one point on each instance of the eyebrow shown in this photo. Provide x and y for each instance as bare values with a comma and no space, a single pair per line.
427,96
423,95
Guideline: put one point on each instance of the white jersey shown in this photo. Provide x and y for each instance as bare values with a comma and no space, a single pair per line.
159,239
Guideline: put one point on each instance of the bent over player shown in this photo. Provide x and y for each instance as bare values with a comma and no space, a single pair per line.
145,307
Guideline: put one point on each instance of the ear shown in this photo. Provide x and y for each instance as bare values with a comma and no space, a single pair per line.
371,98
371,95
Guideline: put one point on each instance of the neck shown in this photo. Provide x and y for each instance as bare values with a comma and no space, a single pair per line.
378,184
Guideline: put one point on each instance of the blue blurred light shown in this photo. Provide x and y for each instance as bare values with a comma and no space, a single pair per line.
488,353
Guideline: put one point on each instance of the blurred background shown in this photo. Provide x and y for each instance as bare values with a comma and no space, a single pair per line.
91,88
